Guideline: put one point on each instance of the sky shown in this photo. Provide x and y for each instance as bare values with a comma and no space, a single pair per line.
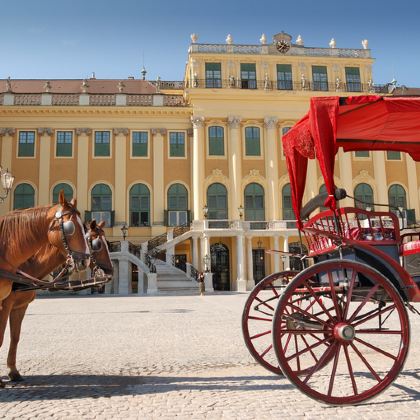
70,39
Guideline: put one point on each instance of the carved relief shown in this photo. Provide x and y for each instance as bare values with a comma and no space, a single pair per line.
197,122
161,131
270,122
83,130
123,131
234,122
217,172
45,131
7,132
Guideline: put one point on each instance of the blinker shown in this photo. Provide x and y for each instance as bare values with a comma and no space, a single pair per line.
69,227
96,244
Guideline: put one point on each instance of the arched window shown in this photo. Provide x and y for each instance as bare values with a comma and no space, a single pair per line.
23,197
101,205
254,202
217,202
216,141
397,197
286,196
68,192
363,195
177,205
139,205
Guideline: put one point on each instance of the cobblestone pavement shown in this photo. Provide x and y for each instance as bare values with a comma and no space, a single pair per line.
165,357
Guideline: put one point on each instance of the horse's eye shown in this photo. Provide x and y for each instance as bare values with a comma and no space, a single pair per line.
96,244
69,227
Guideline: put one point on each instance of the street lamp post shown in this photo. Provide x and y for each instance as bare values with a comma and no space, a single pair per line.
124,231
7,180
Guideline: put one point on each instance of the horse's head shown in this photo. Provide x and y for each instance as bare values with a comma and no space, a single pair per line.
66,232
99,247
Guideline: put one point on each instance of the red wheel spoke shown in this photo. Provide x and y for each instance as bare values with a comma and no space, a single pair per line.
371,346
307,345
260,334
310,305
266,350
353,381
300,332
363,302
373,331
349,294
380,312
287,343
299,353
257,318
264,303
320,363
318,300
334,296
303,311
334,370
274,290
372,371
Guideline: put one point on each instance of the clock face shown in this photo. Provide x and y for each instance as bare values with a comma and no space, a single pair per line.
282,46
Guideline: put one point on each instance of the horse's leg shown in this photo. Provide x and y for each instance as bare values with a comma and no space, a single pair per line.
4,315
15,323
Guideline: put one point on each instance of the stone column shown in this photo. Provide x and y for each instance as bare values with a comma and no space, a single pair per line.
276,256
198,159
346,176
271,164
235,165
83,153
380,177
120,198
195,254
250,277
6,135
44,166
123,276
286,264
208,282
205,250
240,264
158,177
413,186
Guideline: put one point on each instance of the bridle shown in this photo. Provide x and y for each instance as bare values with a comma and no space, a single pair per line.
67,228
95,246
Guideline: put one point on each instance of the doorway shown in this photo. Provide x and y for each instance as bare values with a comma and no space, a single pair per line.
220,266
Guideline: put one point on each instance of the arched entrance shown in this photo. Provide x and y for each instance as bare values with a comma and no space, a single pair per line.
220,266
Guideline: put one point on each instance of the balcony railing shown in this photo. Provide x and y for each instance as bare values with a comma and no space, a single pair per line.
246,225
250,84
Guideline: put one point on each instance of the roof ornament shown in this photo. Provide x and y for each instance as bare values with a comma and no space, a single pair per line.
299,41
121,86
85,86
332,43
8,84
263,39
229,39
194,38
143,73
365,44
47,87
158,82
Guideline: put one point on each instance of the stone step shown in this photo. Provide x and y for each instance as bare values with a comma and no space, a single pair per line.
176,284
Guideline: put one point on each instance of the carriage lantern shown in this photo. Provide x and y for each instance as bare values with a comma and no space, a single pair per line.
6,181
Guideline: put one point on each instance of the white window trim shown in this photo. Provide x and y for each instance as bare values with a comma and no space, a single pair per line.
17,145
208,155
393,160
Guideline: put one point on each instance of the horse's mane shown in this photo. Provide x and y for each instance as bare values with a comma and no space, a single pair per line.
22,227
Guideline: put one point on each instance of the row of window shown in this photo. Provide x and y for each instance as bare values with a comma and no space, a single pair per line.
102,144
284,77
390,154
177,201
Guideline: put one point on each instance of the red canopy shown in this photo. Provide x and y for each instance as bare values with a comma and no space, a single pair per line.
354,123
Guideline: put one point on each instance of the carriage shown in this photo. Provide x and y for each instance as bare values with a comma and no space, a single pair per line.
339,329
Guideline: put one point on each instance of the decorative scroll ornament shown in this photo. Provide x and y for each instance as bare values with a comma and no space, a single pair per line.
7,132
197,122
217,172
83,130
234,122
118,131
270,122
161,131
45,131
254,172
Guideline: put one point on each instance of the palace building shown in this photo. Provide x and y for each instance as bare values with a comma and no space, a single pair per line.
193,171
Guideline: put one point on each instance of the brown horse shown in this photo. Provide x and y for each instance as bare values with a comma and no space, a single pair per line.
24,232
42,263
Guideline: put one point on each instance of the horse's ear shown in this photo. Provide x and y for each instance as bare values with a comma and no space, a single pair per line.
101,224
93,224
73,202
61,198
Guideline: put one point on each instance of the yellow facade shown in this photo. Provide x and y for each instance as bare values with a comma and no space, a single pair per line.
192,108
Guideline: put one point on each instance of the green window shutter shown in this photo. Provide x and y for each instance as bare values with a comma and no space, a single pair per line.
139,143
252,141
26,144
216,141
213,66
248,67
102,143
361,153
177,144
319,78
284,77
23,197
213,75
64,144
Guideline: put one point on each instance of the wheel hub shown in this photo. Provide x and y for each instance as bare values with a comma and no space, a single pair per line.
344,332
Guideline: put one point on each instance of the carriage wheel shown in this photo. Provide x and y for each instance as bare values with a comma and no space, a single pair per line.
257,318
359,313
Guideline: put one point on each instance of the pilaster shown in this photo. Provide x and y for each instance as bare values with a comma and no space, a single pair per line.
250,277
240,264
82,167
44,166
120,135
380,176
346,176
6,135
158,176
271,164
235,165
198,166
413,186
